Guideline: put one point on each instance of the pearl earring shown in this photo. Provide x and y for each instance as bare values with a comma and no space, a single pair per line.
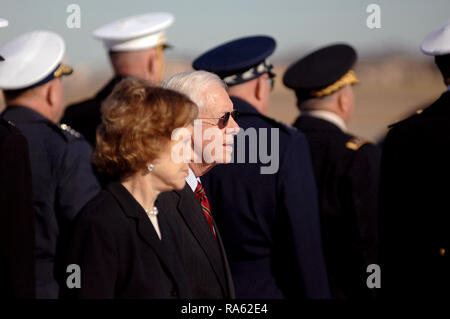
150,167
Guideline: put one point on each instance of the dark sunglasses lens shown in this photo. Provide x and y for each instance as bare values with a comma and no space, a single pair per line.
226,117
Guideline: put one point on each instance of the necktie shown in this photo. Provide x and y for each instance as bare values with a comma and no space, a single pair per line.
201,196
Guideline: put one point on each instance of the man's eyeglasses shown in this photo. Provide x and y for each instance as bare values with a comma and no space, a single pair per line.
223,121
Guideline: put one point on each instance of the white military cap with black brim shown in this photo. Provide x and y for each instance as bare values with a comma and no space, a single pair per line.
3,24
136,33
31,60
437,44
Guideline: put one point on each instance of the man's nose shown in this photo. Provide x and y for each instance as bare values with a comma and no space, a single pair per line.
233,125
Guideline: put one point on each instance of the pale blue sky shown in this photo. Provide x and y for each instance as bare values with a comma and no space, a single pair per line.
297,25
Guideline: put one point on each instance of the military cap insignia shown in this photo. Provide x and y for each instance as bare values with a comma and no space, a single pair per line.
355,143
69,130
11,123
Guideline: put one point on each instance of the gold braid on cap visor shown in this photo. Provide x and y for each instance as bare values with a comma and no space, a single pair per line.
62,70
162,43
347,78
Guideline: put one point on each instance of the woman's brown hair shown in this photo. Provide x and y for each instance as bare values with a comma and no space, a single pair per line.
137,123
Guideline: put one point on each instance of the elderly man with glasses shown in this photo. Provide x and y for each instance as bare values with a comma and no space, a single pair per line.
189,210
268,218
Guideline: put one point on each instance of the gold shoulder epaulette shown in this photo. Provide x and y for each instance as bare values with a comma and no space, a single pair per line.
355,143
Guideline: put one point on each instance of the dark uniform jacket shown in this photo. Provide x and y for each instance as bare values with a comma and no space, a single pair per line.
85,116
415,219
63,182
120,254
347,175
203,257
270,222
17,261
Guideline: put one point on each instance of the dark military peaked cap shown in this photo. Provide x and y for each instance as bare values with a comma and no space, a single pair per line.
240,60
322,72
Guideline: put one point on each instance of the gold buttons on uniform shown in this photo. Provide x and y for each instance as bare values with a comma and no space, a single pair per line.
442,251
419,111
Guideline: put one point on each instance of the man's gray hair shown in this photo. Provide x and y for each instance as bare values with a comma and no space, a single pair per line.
193,84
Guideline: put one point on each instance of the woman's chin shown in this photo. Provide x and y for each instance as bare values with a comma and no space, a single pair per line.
180,184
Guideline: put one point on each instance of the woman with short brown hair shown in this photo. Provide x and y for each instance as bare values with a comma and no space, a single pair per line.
125,248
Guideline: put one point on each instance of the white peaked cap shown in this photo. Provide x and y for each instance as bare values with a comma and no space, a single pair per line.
30,58
135,33
438,41
3,23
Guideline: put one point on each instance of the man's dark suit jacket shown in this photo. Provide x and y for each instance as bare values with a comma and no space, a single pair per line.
415,220
120,254
17,242
204,258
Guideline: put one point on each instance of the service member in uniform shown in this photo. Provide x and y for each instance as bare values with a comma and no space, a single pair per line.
267,212
346,167
62,174
415,220
135,47
17,262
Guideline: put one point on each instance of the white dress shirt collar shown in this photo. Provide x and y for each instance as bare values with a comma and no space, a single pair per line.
192,180
327,116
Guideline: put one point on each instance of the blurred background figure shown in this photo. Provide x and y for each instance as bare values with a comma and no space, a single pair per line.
123,244
346,167
269,221
136,48
203,254
395,78
62,175
414,187
17,242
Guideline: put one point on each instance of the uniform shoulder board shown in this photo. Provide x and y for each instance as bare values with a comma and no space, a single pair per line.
355,143
69,130
418,112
